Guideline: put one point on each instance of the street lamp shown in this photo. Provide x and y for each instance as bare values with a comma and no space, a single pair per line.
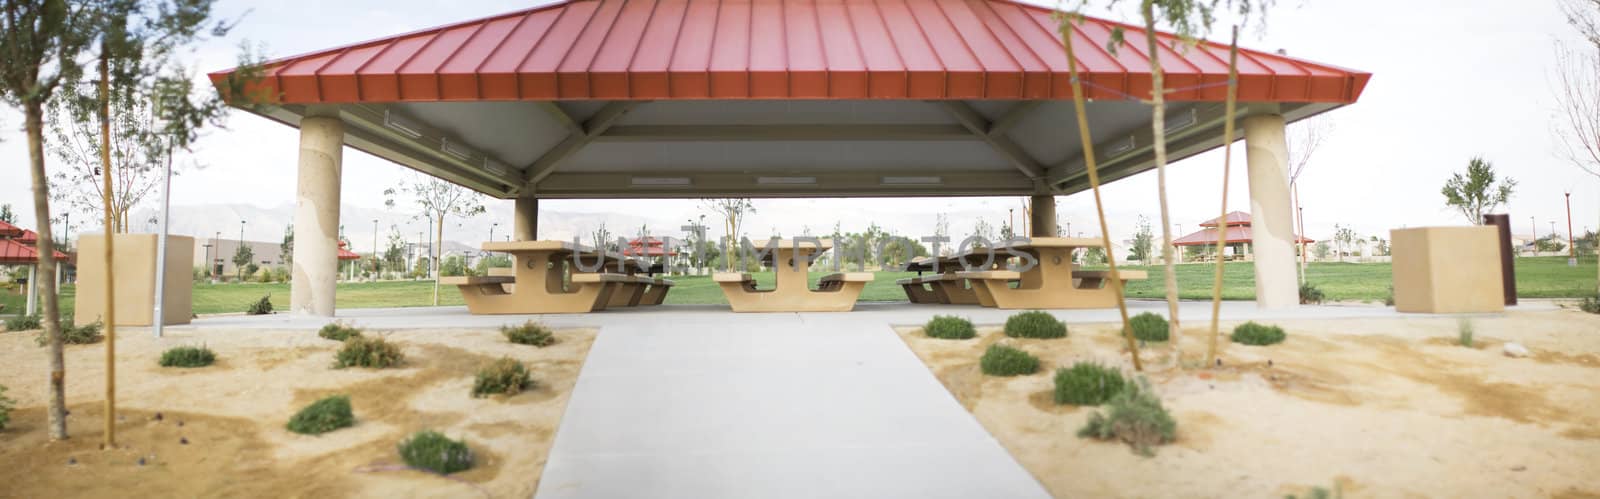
1572,249
377,265
491,230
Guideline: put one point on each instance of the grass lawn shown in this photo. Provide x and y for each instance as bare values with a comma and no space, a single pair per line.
1541,277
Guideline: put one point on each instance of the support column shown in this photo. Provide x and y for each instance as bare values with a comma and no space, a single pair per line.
316,217
33,290
1271,218
1042,216
525,220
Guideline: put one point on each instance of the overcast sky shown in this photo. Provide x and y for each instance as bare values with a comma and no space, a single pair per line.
1452,79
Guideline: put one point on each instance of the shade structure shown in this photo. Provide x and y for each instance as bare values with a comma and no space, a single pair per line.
1238,231
18,246
345,254
648,247
774,98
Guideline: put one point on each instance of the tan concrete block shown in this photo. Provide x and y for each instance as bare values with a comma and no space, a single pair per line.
135,267
1447,270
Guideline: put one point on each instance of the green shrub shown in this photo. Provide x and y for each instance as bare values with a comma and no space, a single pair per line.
260,307
949,327
73,335
1464,332
504,376
1309,294
1001,360
1321,493
338,331
1389,300
5,408
24,323
362,351
1590,304
1035,324
1149,326
1251,333
432,451
1135,416
188,357
1087,383
323,416
529,333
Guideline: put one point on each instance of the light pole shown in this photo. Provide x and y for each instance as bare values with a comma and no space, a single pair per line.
1572,249
377,265
212,270
240,270
491,230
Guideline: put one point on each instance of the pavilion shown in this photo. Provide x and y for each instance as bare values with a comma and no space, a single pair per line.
776,98
1239,234
18,246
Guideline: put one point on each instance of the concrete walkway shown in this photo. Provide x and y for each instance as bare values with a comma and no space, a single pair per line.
769,405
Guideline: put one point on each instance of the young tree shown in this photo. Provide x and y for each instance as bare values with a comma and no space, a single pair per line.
1578,89
241,259
138,152
6,215
1344,236
286,248
1476,192
1142,242
438,200
732,211
1304,139
395,253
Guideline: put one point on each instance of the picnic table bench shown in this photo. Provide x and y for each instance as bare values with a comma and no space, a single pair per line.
1053,283
557,277
791,265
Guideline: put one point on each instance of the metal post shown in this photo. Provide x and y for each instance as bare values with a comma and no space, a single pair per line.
157,320
1572,249
33,290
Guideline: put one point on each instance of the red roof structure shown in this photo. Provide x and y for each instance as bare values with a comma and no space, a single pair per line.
647,246
782,49
1238,226
345,254
18,246
8,231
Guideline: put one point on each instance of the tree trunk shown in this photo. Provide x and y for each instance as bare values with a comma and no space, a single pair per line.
438,260
1159,133
46,245
111,219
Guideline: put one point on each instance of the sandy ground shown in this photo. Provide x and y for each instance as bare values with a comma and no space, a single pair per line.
1384,408
232,415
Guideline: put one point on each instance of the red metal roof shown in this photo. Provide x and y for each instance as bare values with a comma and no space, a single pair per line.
1234,218
8,231
345,254
1236,234
14,252
781,49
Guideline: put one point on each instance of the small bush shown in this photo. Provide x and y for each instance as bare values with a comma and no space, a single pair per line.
73,335
1087,383
1389,300
1251,333
504,376
1001,360
362,351
1336,492
1590,304
339,331
432,451
529,333
188,357
949,327
260,307
1135,416
1035,324
1149,327
5,408
1464,332
323,416
24,323
1309,294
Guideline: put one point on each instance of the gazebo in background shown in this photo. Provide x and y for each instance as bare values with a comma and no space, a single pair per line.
345,255
1239,235
607,99
18,247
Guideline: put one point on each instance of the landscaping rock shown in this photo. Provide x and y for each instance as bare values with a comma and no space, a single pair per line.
1516,350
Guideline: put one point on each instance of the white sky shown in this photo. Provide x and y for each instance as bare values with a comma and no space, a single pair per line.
1452,79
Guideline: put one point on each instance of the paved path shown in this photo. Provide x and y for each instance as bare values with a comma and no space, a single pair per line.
769,405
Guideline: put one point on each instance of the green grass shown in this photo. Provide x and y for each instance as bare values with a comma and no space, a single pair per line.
1537,277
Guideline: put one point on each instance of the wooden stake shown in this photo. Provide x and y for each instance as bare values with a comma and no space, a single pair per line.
1227,161
110,275
1158,120
1094,184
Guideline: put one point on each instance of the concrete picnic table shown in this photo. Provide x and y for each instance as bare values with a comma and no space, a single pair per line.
945,286
550,277
1054,282
791,265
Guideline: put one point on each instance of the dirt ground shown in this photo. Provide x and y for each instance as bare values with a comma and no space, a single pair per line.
1383,408
232,415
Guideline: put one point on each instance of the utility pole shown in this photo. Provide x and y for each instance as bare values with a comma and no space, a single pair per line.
491,230
212,265
377,265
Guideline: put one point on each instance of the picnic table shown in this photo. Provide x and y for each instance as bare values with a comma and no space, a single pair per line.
552,277
944,285
791,292
1053,283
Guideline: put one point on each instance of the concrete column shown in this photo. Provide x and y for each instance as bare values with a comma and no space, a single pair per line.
1271,216
33,290
316,217
1042,220
525,220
